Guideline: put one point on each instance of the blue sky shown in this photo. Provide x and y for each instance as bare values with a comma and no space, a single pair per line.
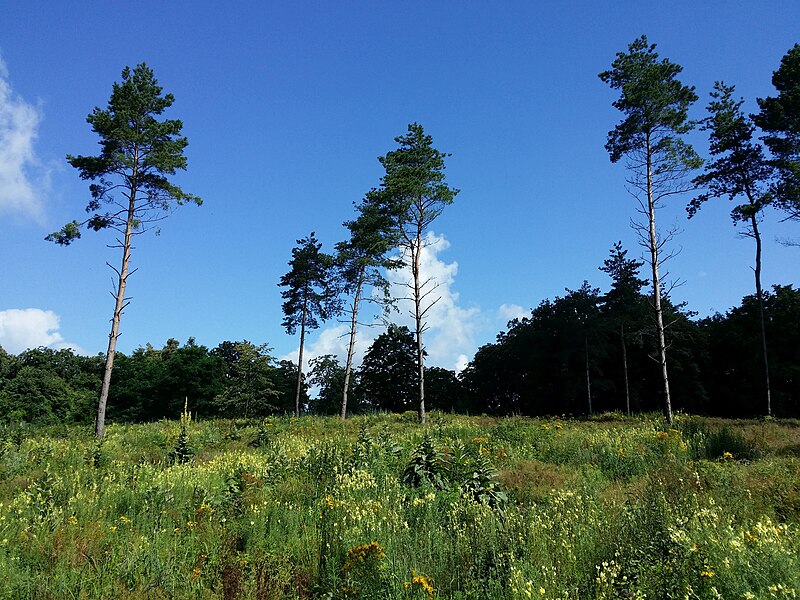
287,106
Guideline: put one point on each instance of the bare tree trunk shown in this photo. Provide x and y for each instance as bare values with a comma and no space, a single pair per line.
120,304
760,296
352,345
588,377
662,344
300,362
416,250
625,368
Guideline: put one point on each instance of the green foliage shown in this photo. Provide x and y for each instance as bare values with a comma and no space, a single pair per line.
363,447
416,193
95,457
327,375
250,387
655,105
263,436
309,295
426,466
361,260
182,451
414,183
732,372
740,167
713,442
623,301
444,391
388,376
779,118
725,442
474,475
46,386
137,148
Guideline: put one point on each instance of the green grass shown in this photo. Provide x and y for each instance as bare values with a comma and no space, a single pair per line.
381,507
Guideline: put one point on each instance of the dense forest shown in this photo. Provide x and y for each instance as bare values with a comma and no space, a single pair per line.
571,356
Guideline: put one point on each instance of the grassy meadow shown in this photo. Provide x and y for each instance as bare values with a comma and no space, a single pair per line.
382,507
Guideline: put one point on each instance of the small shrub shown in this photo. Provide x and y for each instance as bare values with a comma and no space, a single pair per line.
481,484
426,466
363,446
182,452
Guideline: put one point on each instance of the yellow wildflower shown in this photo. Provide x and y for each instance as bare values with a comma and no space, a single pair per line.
363,552
420,582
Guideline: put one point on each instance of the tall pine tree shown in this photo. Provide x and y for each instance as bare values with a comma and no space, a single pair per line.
622,305
130,190
739,170
655,106
415,187
310,297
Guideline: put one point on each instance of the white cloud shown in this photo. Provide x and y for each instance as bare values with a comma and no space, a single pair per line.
451,327
334,340
461,362
508,312
22,177
453,330
24,328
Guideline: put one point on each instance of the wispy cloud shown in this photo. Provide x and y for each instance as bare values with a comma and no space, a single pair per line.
23,179
25,328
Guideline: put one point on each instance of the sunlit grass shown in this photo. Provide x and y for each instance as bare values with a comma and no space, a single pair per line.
317,508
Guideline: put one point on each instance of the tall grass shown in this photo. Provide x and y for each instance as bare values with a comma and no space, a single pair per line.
381,507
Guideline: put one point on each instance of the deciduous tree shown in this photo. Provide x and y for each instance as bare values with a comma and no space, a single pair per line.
388,373
327,375
249,379
130,190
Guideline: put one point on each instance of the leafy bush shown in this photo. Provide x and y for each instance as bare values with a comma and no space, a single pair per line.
426,466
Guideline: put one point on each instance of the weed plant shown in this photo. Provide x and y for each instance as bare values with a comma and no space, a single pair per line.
381,507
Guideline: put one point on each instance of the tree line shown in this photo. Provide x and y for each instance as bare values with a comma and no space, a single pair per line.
579,354
589,352
755,162
233,379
